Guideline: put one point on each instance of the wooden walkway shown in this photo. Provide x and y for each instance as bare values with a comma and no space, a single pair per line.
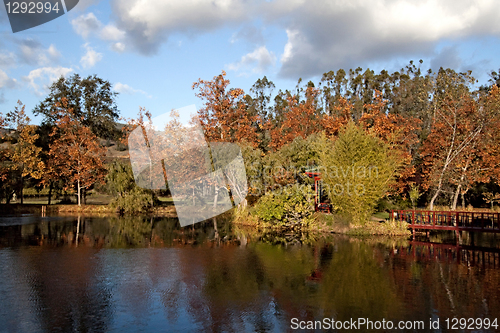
449,220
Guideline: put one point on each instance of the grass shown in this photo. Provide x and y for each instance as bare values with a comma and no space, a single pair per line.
382,215
96,204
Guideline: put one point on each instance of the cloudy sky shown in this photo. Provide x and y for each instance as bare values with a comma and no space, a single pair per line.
153,50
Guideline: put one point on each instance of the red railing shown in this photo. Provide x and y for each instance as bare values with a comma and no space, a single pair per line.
449,220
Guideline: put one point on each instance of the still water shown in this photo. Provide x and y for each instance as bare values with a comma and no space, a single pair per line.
68,274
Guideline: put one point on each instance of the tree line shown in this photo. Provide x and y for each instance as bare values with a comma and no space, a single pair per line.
439,125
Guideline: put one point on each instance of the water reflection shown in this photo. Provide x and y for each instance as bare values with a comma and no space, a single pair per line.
132,274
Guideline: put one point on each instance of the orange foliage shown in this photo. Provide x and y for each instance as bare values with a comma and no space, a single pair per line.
224,116
75,153
397,131
343,113
301,119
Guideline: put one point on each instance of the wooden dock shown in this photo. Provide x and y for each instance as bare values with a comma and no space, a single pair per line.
424,220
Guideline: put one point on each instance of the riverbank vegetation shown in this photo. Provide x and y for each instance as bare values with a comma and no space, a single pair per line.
410,138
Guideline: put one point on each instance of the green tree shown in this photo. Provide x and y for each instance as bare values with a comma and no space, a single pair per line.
357,171
91,99
129,197
119,179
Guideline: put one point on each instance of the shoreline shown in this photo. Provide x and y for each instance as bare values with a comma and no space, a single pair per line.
88,210
322,223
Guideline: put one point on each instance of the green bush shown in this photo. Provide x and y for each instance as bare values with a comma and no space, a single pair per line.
136,200
293,205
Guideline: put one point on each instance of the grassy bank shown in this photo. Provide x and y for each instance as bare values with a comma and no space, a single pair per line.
331,223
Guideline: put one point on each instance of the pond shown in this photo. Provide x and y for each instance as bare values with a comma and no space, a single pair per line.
69,274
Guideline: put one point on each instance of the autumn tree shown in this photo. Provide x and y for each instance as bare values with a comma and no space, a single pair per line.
480,163
398,132
224,115
75,151
456,130
301,119
23,155
337,118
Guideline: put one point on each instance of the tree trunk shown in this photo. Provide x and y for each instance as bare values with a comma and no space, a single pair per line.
50,192
463,200
455,198
431,205
22,186
79,193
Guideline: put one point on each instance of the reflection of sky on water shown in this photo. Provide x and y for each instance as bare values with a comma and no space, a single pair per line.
29,219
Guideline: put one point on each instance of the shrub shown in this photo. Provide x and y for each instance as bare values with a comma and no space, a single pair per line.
293,205
136,200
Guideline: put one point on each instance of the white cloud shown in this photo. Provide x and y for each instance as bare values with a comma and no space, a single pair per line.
53,52
44,77
30,51
111,32
345,34
259,60
322,35
7,60
250,34
6,81
86,24
148,23
90,58
118,47
128,90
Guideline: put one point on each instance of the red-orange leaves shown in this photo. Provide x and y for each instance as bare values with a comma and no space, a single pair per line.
224,116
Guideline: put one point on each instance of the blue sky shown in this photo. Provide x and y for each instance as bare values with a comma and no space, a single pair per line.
153,50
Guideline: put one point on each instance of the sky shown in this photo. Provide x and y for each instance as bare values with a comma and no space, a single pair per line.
152,51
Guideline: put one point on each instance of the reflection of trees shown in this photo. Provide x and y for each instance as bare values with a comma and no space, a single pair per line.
351,284
116,232
448,290
219,285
